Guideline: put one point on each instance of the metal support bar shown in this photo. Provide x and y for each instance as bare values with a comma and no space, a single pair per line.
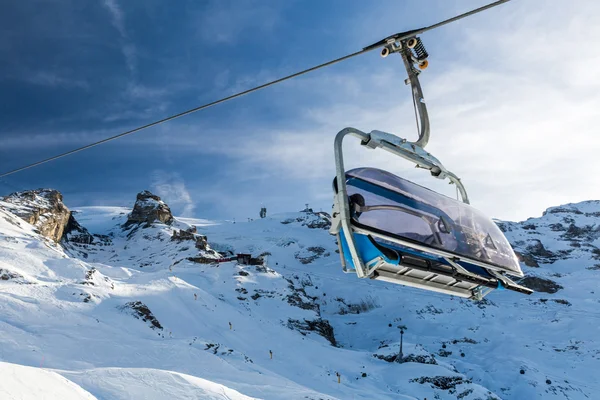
341,197
419,100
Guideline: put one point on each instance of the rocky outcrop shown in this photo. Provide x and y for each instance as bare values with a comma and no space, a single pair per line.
149,208
311,219
192,235
141,311
76,233
540,284
310,254
44,209
319,326
527,259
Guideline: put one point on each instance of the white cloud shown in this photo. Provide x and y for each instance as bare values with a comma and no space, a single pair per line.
53,79
172,189
118,21
223,21
515,116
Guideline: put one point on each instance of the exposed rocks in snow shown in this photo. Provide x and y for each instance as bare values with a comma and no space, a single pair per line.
311,219
42,208
6,275
149,208
76,233
415,358
141,311
442,382
464,340
214,348
302,300
411,353
541,284
444,353
310,254
319,326
299,298
363,306
429,309
202,260
420,358
527,259
557,301
191,235
95,278
536,250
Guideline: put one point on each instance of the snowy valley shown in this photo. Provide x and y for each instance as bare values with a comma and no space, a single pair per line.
121,303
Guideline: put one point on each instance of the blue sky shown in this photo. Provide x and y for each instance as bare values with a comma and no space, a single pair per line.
511,113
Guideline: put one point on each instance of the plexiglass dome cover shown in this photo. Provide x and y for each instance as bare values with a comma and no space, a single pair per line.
418,214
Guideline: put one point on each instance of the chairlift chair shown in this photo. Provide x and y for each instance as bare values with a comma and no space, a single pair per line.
391,229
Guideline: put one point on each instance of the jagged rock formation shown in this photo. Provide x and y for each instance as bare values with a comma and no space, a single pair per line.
44,209
190,234
149,208
76,233
141,311
541,284
311,219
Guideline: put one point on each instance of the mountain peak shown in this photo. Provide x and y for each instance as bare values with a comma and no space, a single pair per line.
590,208
42,208
149,208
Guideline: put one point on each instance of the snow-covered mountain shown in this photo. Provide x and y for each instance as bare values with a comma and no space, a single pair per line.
117,303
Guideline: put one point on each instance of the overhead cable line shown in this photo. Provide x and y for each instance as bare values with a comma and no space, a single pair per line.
381,43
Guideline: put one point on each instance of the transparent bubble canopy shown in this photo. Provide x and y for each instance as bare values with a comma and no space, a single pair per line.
385,203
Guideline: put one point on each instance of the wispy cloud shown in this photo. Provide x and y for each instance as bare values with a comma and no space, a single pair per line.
514,122
53,79
222,21
172,189
118,21
34,141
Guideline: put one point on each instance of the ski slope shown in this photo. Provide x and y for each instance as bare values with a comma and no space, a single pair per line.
29,383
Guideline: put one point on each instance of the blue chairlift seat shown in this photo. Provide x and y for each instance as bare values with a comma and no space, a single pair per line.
409,234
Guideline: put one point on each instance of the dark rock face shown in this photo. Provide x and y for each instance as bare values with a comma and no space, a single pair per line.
190,234
311,219
536,248
527,259
415,358
442,382
76,233
319,326
535,253
141,311
6,275
42,208
310,254
149,208
541,284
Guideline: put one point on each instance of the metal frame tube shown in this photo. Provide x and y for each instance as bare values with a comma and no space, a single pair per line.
342,195
418,99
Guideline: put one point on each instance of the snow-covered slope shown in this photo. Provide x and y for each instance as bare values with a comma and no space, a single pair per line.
30,383
142,313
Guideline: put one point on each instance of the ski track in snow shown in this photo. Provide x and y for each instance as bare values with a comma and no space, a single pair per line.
70,333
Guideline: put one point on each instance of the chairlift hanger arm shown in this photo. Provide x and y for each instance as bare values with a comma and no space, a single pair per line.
410,47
